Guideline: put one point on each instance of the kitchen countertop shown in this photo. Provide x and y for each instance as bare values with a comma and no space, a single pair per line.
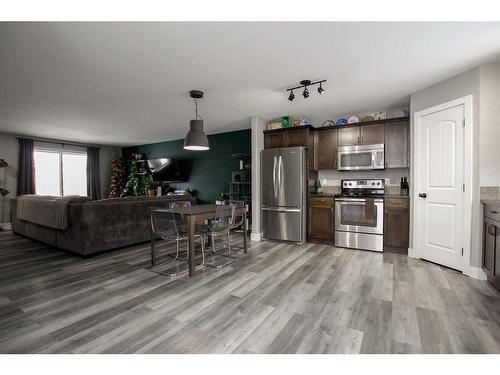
490,199
322,195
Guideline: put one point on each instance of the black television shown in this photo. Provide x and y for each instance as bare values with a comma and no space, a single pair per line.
164,170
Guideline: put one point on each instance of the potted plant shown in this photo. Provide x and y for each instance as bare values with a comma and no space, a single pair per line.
221,199
151,188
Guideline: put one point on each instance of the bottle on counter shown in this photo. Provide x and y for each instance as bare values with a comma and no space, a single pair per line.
405,187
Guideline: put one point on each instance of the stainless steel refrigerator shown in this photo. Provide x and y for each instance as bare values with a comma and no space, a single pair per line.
284,193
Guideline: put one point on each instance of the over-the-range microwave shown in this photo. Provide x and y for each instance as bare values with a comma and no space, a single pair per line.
361,157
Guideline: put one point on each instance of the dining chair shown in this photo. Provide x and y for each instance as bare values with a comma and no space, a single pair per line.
164,224
238,220
220,227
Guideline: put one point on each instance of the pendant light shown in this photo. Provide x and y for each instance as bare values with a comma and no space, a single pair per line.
196,139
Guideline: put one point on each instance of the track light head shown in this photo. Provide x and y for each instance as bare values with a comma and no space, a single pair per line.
291,96
320,89
305,94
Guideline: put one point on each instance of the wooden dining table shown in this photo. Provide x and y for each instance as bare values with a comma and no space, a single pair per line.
199,213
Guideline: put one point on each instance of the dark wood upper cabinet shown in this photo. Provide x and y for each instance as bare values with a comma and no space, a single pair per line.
396,224
396,145
296,138
372,134
288,137
361,135
320,218
274,140
348,136
325,148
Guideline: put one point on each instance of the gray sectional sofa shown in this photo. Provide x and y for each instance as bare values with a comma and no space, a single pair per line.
97,226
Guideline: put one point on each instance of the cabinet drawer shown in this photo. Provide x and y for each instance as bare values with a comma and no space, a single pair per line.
323,201
397,202
491,211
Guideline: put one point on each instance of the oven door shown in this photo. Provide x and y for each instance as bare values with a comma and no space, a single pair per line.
353,215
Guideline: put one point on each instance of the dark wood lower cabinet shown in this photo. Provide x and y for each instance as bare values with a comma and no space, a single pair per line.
396,224
320,219
491,244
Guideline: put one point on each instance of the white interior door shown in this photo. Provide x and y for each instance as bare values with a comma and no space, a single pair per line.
439,196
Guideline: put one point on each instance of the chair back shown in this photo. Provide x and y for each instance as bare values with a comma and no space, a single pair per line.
179,204
224,216
237,218
164,222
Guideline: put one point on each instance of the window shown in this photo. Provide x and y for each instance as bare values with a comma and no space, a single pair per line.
60,172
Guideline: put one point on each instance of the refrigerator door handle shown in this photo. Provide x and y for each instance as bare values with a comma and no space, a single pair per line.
280,173
274,177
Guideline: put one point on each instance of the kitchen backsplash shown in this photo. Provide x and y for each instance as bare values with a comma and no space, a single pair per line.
330,180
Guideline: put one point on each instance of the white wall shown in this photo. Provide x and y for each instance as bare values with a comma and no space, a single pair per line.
258,125
455,87
489,137
9,150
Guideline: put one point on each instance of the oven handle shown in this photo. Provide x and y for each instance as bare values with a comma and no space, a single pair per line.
356,200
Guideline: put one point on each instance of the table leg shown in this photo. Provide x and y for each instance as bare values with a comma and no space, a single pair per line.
190,229
245,234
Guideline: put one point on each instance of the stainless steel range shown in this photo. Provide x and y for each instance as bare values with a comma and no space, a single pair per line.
359,214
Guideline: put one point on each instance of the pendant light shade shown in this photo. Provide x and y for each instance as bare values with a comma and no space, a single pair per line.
196,139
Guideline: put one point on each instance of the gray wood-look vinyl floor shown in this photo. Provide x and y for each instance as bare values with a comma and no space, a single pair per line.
278,298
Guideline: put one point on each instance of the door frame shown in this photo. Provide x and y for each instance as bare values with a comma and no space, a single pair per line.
466,101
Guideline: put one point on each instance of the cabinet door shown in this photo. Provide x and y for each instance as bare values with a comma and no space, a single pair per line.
488,246
496,253
397,222
320,222
274,140
326,150
296,138
396,145
348,136
372,134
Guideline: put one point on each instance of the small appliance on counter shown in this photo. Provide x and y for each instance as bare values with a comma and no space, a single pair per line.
359,214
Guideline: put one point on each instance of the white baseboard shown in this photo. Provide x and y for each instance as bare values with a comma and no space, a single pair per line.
412,253
255,237
475,273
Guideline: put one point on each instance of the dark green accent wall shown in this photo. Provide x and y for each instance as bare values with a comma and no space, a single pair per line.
209,171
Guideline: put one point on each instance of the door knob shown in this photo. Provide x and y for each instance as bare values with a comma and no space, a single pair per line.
422,195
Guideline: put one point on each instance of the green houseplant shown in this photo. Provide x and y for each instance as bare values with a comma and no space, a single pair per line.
134,186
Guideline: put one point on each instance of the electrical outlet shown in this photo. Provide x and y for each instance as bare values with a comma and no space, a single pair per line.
324,182
387,181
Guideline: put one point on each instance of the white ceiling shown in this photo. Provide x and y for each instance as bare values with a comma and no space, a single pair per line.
128,83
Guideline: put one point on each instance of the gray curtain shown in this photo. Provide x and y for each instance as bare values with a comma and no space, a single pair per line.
26,174
93,179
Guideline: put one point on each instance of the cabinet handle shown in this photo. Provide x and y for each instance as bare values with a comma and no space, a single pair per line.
362,140
494,212
494,231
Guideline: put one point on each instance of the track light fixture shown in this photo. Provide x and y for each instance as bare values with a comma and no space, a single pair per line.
320,89
305,84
